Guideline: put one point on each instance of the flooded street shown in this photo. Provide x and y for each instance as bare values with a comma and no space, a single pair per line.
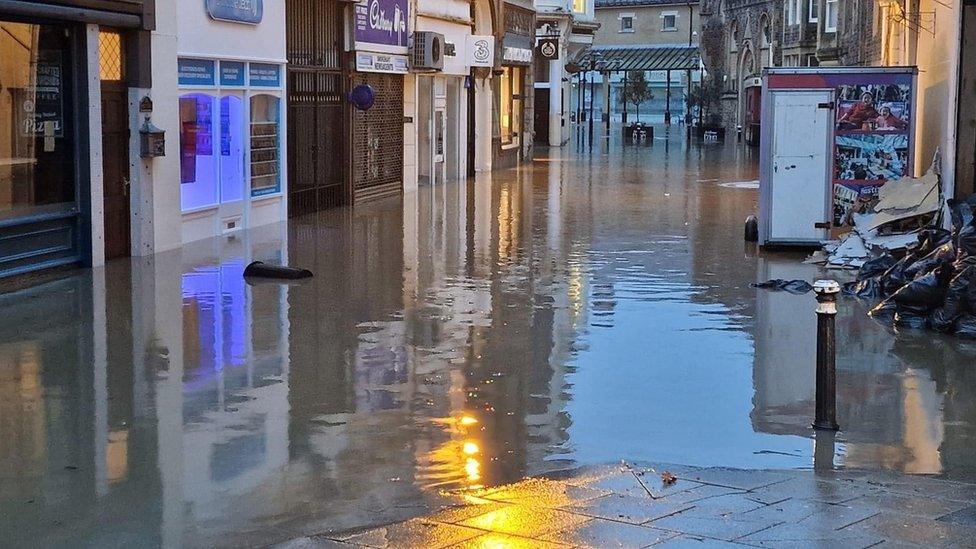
584,309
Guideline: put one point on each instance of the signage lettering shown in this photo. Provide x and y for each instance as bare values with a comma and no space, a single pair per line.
249,12
382,22
196,72
480,50
378,62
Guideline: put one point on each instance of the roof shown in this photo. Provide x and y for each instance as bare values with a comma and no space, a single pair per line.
638,3
644,58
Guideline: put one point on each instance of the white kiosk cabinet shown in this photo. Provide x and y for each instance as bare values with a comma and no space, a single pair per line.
830,137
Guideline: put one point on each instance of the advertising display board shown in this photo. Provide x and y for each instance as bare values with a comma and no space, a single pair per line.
851,128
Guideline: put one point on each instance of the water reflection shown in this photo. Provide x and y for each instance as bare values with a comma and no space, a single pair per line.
586,308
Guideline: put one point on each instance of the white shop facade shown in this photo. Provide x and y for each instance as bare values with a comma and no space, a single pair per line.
232,123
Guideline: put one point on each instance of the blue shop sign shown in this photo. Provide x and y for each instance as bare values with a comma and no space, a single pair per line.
232,73
249,12
264,75
196,72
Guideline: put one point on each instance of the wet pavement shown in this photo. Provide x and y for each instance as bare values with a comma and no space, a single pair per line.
586,308
668,506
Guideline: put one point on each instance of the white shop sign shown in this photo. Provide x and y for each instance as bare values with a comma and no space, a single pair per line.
480,50
381,62
518,55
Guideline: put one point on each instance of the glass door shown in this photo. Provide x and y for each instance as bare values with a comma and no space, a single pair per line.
231,160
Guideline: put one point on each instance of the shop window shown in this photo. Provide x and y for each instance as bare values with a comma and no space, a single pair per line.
37,152
579,6
110,65
198,161
669,22
265,145
510,108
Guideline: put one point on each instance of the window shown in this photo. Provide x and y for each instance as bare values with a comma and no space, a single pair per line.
830,16
670,21
198,163
579,6
110,64
510,104
265,145
627,23
814,11
793,9
37,146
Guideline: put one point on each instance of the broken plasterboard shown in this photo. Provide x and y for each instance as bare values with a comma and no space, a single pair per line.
905,198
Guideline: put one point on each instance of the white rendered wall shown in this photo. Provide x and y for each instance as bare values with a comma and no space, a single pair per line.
410,133
199,35
96,179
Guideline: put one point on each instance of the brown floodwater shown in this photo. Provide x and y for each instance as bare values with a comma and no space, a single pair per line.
588,307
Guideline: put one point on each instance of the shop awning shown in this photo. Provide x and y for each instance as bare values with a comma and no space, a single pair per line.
643,58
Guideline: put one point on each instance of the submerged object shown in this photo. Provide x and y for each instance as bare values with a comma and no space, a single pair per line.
263,270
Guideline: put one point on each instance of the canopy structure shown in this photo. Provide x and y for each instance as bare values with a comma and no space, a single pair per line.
641,58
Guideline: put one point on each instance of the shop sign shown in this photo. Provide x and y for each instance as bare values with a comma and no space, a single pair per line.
381,62
41,105
382,22
264,75
232,73
549,48
480,50
517,55
249,12
196,72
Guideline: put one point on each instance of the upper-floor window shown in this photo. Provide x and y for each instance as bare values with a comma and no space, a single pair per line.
669,21
579,6
814,11
793,12
830,16
626,23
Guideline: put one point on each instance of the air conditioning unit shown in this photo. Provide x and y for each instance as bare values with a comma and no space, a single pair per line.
427,51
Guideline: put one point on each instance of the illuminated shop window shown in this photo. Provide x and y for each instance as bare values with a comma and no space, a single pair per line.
265,145
231,149
510,103
198,158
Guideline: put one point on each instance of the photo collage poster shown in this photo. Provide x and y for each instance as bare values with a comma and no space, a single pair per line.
872,138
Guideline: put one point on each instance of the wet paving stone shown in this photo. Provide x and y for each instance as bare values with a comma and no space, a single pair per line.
502,541
599,533
692,542
724,528
931,508
965,517
523,520
810,488
410,534
629,509
915,530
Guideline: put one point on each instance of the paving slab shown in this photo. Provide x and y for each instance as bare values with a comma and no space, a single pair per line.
917,506
412,533
502,541
525,521
600,533
916,530
723,528
624,508
686,542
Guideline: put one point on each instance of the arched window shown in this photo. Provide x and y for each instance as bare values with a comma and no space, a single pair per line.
198,158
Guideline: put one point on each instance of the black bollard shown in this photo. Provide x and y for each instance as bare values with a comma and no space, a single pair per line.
752,229
826,417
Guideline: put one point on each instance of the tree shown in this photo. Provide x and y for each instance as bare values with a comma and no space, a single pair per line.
638,91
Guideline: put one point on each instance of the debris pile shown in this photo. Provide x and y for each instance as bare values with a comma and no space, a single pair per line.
932,281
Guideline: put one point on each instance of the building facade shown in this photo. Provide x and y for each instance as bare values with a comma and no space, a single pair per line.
70,74
569,26
740,38
656,38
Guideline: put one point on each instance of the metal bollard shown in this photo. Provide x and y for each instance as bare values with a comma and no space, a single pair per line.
826,418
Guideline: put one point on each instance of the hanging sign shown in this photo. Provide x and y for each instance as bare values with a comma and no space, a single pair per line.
232,73
196,72
549,48
264,75
480,50
248,12
381,62
382,22
517,55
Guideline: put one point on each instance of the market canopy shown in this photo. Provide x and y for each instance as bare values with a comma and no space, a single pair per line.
642,58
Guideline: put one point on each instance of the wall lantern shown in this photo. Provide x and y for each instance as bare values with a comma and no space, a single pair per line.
152,140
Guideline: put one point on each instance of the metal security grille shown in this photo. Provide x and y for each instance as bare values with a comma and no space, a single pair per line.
316,110
378,141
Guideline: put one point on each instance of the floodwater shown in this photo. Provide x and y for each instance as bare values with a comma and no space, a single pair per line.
586,308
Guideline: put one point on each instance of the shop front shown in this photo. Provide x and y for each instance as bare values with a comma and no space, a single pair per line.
513,88
232,122
51,142
377,121
441,112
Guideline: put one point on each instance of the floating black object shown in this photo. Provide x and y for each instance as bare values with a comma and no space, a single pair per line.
263,270
752,229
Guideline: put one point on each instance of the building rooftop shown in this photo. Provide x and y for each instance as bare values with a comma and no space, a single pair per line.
638,3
